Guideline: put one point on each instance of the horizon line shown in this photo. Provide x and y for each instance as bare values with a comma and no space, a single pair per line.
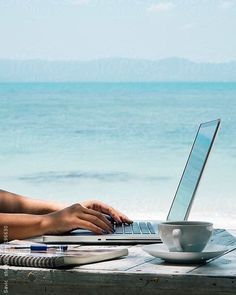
121,82
116,58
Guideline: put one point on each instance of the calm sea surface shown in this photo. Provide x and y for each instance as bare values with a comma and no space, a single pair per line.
123,143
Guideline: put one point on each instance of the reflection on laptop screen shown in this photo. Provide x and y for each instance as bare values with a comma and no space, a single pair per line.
193,171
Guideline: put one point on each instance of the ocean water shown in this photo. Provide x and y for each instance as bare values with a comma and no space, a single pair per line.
123,143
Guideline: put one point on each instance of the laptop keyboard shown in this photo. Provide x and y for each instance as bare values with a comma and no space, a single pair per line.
134,228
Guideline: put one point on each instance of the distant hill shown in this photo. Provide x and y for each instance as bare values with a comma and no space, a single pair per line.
115,70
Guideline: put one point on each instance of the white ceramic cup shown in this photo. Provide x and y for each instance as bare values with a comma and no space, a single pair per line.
185,236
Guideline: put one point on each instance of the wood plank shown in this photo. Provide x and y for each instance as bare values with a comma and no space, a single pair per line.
225,266
37,282
232,232
223,237
158,266
136,257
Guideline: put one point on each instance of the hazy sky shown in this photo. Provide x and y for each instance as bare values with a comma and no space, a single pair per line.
201,30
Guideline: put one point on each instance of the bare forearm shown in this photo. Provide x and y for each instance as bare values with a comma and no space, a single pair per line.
13,203
32,206
22,226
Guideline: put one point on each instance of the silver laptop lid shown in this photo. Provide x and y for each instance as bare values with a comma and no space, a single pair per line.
193,170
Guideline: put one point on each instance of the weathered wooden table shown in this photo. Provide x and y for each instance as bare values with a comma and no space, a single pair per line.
139,273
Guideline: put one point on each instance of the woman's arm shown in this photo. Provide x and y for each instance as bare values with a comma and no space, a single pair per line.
23,218
13,203
23,226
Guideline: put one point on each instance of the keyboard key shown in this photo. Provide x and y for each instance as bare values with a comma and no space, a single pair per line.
136,228
128,229
151,228
144,228
119,229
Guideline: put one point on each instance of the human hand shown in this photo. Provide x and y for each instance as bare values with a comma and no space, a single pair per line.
85,215
106,209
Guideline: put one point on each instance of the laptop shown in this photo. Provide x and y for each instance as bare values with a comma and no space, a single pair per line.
146,231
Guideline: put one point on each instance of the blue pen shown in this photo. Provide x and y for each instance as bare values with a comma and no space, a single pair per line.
47,247
38,247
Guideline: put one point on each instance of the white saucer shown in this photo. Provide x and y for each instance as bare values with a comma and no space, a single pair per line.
161,251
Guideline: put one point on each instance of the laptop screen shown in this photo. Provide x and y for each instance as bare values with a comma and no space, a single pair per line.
186,190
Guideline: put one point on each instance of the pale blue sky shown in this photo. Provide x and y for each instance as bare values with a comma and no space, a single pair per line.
200,30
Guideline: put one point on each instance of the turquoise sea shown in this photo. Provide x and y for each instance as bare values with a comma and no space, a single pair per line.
123,143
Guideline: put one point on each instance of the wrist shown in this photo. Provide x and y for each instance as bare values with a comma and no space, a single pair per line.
46,224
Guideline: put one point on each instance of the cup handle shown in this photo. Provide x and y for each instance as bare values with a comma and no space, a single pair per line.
176,233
